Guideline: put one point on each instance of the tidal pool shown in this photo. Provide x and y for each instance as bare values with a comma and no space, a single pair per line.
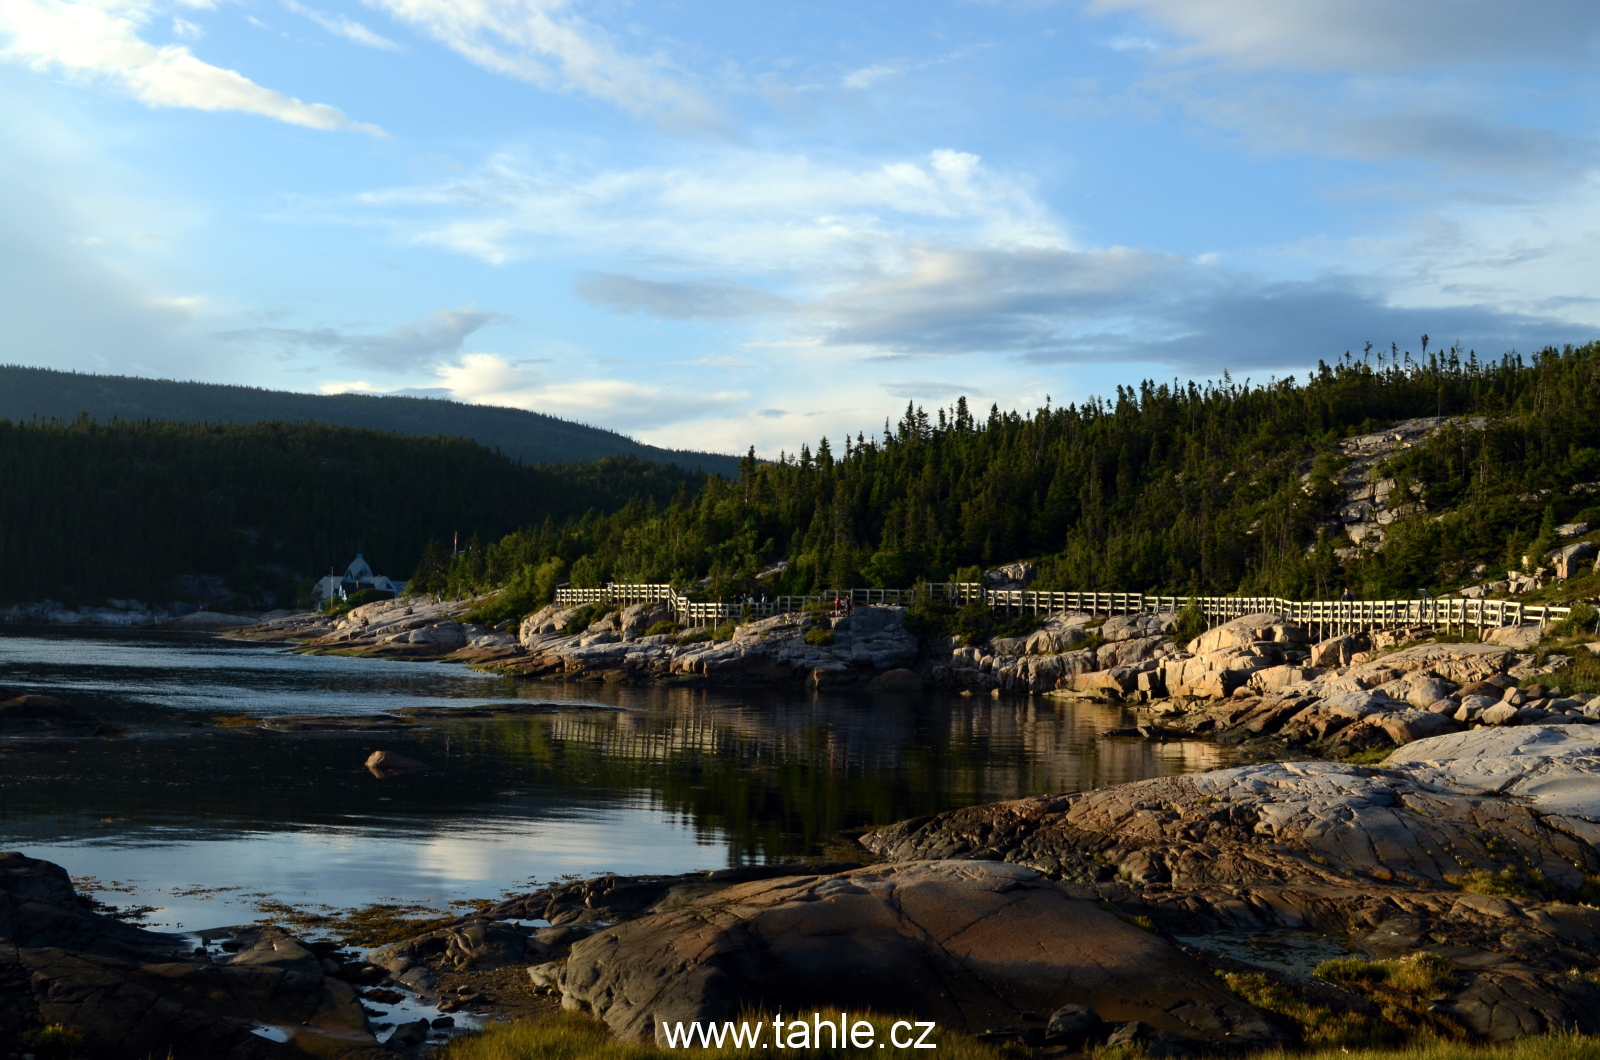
190,810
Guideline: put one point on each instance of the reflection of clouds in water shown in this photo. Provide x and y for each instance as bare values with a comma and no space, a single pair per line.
198,673
354,867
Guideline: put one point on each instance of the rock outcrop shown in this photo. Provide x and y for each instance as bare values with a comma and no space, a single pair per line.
970,945
822,651
1474,847
133,994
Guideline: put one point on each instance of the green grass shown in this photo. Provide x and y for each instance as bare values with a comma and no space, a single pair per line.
1335,1035
571,1036
1543,1047
1422,974
1370,758
1582,676
1507,883
1401,991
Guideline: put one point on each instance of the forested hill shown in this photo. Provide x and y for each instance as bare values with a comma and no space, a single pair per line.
93,511
531,437
1217,488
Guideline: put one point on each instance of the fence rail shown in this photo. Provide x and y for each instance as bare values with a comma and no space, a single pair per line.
1325,617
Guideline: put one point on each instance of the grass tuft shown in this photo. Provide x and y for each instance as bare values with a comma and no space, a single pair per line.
1543,1047
1507,883
572,1036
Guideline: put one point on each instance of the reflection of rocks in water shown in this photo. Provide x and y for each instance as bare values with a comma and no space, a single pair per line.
133,993
403,718
35,716
1042,744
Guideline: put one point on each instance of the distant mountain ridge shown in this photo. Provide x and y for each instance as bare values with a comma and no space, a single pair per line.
533,437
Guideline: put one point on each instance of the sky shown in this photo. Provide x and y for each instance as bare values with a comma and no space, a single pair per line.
719,225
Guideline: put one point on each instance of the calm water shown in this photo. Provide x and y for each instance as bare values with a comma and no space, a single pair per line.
624,780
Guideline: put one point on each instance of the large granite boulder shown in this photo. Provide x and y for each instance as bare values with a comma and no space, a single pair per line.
133,994
1248,630
971,945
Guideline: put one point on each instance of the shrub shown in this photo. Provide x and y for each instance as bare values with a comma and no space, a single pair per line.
695,636
584,617
821,637
725,631
666,625
1579,621
54,1042
1191,623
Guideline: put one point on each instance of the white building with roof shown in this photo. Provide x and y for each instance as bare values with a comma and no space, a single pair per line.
357,576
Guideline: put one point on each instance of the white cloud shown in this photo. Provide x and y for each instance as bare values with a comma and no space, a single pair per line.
182,27
542,42
933,257
1442,82
101,41
737,211
1130,43
343,26
490,379
1373,35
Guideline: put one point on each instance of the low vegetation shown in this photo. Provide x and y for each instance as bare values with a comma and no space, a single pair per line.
569,1036
1333,1034
1398,996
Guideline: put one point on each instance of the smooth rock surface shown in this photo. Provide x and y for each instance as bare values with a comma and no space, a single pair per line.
971,945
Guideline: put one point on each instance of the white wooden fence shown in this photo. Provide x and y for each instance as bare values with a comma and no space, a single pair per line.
1324,617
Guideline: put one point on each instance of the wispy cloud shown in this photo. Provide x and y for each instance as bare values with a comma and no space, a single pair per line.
543,42
677,299
1363,36
867,76
738,212
95,42
343,26
1439,82
421,344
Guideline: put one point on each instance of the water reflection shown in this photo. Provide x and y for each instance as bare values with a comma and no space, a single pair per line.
620,779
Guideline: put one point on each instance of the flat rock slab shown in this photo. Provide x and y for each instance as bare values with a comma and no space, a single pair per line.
1553,768
969,944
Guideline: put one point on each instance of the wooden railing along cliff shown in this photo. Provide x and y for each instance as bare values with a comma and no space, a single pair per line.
1326,617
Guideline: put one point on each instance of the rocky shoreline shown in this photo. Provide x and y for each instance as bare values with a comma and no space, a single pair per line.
1258,681
1455,889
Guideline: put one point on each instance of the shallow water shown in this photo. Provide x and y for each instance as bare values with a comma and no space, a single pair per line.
205,822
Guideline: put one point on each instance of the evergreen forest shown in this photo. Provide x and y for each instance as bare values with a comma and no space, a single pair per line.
129,509
1174,487
536,438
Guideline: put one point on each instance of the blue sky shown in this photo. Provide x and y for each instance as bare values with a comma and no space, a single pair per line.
717,225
